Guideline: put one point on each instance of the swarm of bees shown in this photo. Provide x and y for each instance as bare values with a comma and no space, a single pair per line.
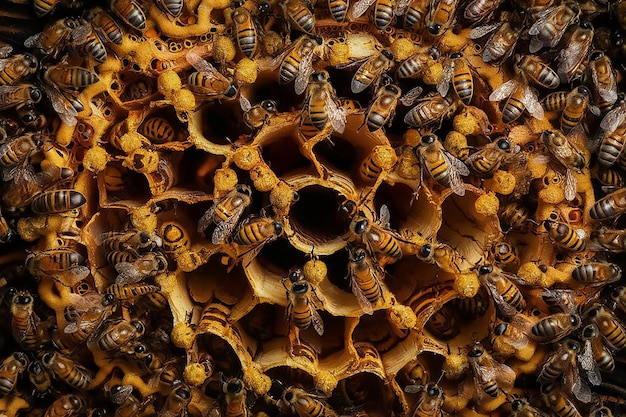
295,208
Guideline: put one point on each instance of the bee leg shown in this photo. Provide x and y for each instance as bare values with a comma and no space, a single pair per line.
307,150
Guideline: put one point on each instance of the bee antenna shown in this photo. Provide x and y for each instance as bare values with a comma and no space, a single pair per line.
443,371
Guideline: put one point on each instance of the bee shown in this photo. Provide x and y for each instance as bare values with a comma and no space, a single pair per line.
609,206
491,156
554,327
383,14
57,201
39,377
30,117
117,334
172,7
320,105
297,63
62,264
105,25
558,402
486,372
235,398
43,7
519,97
299,15
130,12
576,103
10,369
502,41
430,400
537,71
606,239
504,254
611,179
414,14
19,96
255,232
207,79
147,265
338,9
6,233
572,59
564,362
503,289
457,71
135,242
26,326
370,71
16,67
477,10
365,278
66,406
597,273
70,77
441,165
443,323
440,16
413,66
618,295
14,153
245,28
68,371
565,236
376,235
255,117
612,330
551,24
60,82
603,79
595,355
158,130
301,310
305,404
130,291
382,108
225,213
513,333
568,155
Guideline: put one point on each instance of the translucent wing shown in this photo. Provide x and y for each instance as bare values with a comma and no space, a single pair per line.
505,90
608,93
411,96
32,41
6,90
446,76
614,119
199,63
384,216
121,394
5,51
207,218
337,115
81,34
360,7
533,106
364,303
305,70
504,307
316,320
248,256
456,169
570,185
72,276
588,364
480,31
244,103
572,380
60,103
128,274
224,229
401,6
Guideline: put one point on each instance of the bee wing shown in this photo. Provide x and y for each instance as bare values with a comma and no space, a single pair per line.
336,114
71,327
73,276
248,256
31,41
573,381
360,7
480,31
244,103
364,303
305,69
401,6
127,273
504,307
614,118
207,218
80,34
411,96
529,98
571,57
570,185
5,90
122,394
588,363
446,76
62,106
384,216
456,169
504,90
607,93
316,320
224,229
199,63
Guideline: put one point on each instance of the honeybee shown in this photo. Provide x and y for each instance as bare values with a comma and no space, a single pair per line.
383,13
10,369
520,97
207,79
430,401
26,326
612,330
39,377
551,24
297,62
382,109
30,117
565,236
443,323
489,375
513,333
605,239
477,10
147,265
246,31
440,16
172,7
501,43
413,66
86,314
503,289
338,9
255,232
430,109
117,334
365,278
609,206
255,117
572,59
60,83
457,71
504,255
603,79
558,402
105,25
376,235
597,273
57,201
130,12
158,130
370,71
14,153
305,404
62,264
135,242
235,398
66,406
414,13
554,327
490,157
68,371
70,77
301,310
611,146
299,15
537,71
521,408
441,165
320,105
225,213
568,155
564,362
16,67
130,291
576,103
19,96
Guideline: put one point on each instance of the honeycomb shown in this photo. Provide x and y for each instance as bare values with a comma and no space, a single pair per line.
383,208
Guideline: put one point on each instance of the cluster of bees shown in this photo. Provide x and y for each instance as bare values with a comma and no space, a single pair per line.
366,208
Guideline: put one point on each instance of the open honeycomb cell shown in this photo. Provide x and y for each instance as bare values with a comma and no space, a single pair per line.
291,208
